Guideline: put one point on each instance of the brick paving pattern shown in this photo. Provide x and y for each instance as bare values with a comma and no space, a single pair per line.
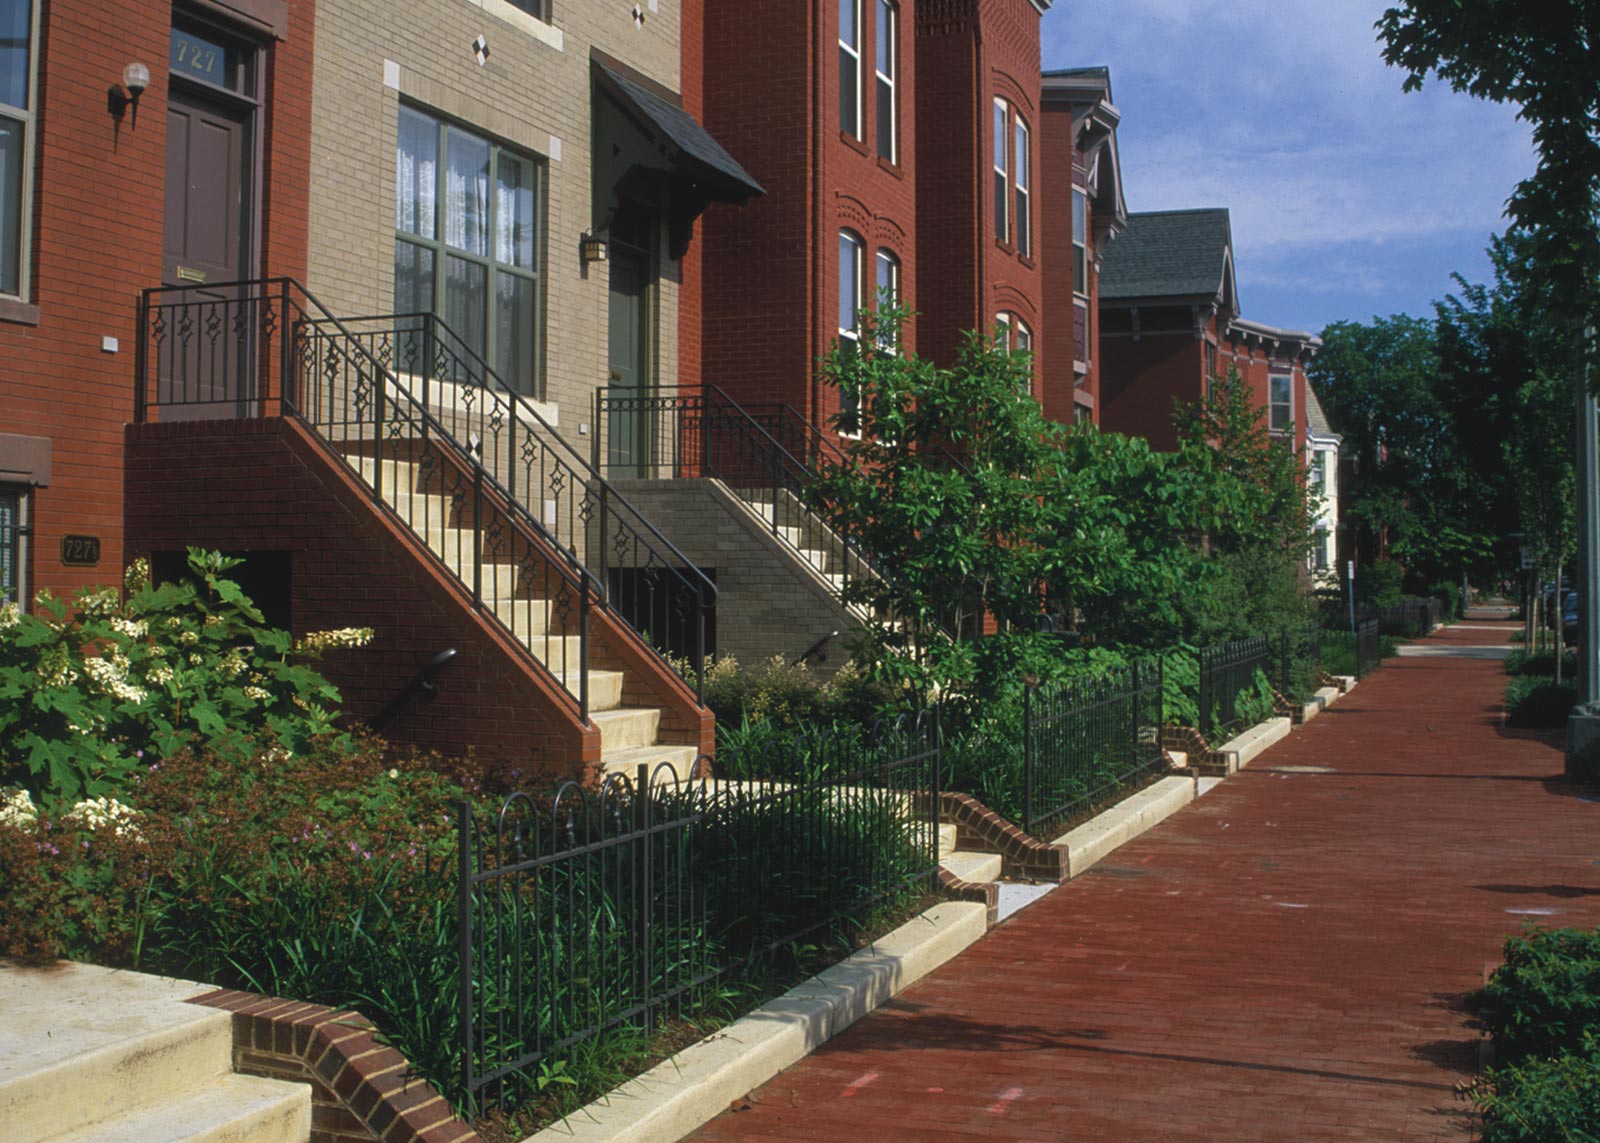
1285,959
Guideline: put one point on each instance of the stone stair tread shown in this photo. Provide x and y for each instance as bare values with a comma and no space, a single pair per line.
629,759
222,1109
971,866
947,838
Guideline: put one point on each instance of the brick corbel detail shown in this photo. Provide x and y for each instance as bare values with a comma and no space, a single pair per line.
361,1089
1283,708
986,893
980,828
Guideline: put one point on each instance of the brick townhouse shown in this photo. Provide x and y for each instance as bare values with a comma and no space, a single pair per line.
1170,321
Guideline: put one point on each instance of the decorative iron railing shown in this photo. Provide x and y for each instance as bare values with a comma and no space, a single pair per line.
527,528
625,906
765,454
1299,661
1369,647
1086,741
1227,673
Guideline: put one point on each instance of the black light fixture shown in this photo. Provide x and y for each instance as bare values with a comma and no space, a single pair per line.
593,248
137,78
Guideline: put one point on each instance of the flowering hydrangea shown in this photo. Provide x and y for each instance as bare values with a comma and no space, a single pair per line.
317,641
103,812
17,810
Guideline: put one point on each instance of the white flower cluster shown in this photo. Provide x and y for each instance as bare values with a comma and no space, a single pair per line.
132,628
260,694
10,615
17,810
233,663
316,641
111,674
159,675
137,577
102,812
106,601
56,669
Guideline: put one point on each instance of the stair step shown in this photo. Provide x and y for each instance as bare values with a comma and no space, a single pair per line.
678,759
622,728
947,839
525,617
80,1043
970,866
223,1109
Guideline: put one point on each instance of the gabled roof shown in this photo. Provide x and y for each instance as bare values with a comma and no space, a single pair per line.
1087,91
1172,254
1317,423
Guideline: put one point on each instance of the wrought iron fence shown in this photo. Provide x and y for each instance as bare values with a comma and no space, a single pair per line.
1369,647
1227,672
1085,741
519,518
1299,661
627,905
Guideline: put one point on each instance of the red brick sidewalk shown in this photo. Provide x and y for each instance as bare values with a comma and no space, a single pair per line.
1286,959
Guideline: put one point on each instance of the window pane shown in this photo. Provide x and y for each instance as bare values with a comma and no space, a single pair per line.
1282,402
16,28
848,23
886,122
466,193
465,302
1024,219
1021,168
10,206
886,38
1080,220
849,282
416,174
848,91
1000,230
999,136
10,524
515,219
888,277
513,332
1024,340
413,294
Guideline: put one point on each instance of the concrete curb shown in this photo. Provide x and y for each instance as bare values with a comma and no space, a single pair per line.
1123,822
675,1097
1237,753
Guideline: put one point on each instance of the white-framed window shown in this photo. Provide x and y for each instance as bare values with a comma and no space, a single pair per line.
19,37
888,292
468,233
888,65
14,532
538,9
1002,173
1080,241
1319,470
1015,336
1020,181
852,265
850,67
1280,399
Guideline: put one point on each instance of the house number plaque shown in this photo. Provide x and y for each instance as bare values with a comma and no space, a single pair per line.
80,551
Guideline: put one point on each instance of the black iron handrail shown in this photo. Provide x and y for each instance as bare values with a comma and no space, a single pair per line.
236,348
680,432
422,689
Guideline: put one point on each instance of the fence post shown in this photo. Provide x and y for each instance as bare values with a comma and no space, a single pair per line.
643,903
464,940
1283,674
936,810
1133,723
1027,758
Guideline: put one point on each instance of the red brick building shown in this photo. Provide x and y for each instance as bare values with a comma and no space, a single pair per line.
103,195
1079,151
1170,321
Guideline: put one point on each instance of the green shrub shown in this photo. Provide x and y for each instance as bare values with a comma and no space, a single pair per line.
1522,662
90,694
1538,701
1381,583
1180,687
1545,999
1448,592
1541,1101
1255,703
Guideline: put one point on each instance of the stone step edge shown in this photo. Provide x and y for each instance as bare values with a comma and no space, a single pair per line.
697,1084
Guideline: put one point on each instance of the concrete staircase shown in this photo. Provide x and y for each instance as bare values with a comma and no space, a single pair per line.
817,545
967,864
93,1055
628,735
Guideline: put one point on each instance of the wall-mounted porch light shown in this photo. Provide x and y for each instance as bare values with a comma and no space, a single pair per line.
593,248
137,78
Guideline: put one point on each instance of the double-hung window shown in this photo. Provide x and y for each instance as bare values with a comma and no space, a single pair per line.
852,264
1002,176
1080,241
19,24
1020,183
888,280
1280,395
888,29
13,540
1013,335
850,67
467,239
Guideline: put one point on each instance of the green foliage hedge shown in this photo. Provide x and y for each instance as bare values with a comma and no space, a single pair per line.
1538,701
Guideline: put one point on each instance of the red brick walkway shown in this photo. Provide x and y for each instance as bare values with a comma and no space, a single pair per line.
1286,959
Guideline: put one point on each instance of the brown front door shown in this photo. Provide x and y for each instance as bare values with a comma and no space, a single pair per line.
205,370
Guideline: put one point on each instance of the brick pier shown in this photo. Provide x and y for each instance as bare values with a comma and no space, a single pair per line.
1285,959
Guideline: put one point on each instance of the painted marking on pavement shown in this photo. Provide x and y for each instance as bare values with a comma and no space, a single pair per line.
1005,1101
857,1085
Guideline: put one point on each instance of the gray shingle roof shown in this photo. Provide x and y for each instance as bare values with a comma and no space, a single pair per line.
1168,253
1316,419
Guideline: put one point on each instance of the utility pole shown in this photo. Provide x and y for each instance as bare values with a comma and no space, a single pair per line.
1583,727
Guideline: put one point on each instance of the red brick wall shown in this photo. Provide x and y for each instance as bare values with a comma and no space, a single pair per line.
1140,380
691,270
771,270
97,236
1058,159
264,485
969,52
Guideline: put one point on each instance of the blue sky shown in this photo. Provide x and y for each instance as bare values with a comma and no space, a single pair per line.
1349,199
